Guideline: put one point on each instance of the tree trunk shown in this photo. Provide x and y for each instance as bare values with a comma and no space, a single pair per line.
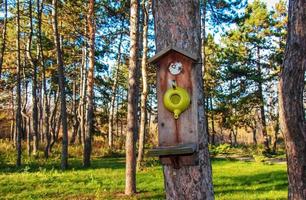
3,36
13,117
113,96
74,114
177,23
61,79
53,123
133,84
212,122
143,103
254,136
34,84
262,108
291,86
18,111
90,86
276,131
82,103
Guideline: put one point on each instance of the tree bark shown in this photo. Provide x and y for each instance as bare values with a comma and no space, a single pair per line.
144,94
212,122
113,97
61,79
90,86
3,36
262,119
291,87
82,103
18,111
133,84
177,23
33,64
75,123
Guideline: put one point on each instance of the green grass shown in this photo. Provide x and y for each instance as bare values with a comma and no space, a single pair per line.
105,180
42,179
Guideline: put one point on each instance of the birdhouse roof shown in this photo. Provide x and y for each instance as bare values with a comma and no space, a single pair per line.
170,49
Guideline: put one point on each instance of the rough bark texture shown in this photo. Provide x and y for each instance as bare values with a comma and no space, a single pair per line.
144,94
90,85
292,117
61,78
18,111
177,23
130,179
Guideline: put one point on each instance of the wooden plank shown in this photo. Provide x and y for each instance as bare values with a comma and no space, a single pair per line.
181,149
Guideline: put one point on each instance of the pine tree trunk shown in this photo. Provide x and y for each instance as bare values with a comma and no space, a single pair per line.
262,108
90,85
34,84
74,114
3,36
61,78
113,97
212,122
291,87
83,80
177,23
254,136
143,103
133,84
18,111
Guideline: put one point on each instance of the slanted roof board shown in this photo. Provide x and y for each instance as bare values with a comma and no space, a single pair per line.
167,50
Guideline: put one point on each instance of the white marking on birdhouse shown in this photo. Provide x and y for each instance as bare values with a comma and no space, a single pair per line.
175,68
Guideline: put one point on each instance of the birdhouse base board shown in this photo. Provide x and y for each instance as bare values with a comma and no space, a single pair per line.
176,156
181,149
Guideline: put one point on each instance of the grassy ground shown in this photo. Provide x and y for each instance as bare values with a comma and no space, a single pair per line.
233,180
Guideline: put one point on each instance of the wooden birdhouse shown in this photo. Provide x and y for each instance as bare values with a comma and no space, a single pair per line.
177,109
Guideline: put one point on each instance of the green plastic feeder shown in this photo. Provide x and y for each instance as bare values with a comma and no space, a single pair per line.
176,100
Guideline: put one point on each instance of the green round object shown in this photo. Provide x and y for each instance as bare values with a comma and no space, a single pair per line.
176,100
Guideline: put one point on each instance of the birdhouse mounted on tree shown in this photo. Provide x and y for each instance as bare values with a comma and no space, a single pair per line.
177,109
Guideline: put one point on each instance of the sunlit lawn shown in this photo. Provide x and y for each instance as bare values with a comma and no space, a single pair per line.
105,180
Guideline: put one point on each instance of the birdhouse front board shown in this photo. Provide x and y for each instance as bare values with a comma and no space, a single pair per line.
177,109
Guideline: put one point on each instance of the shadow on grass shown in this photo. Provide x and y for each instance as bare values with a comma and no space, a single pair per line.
40,165
262,182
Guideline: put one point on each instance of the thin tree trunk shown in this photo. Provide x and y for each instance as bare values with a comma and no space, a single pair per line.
3,36
212,122
133,84
18,111
13,117
61,78
46,105
34,84
90,86
82,103
53,123
143,103
291,87
276,131
74,114
113,96
262,108
254,136
177,23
